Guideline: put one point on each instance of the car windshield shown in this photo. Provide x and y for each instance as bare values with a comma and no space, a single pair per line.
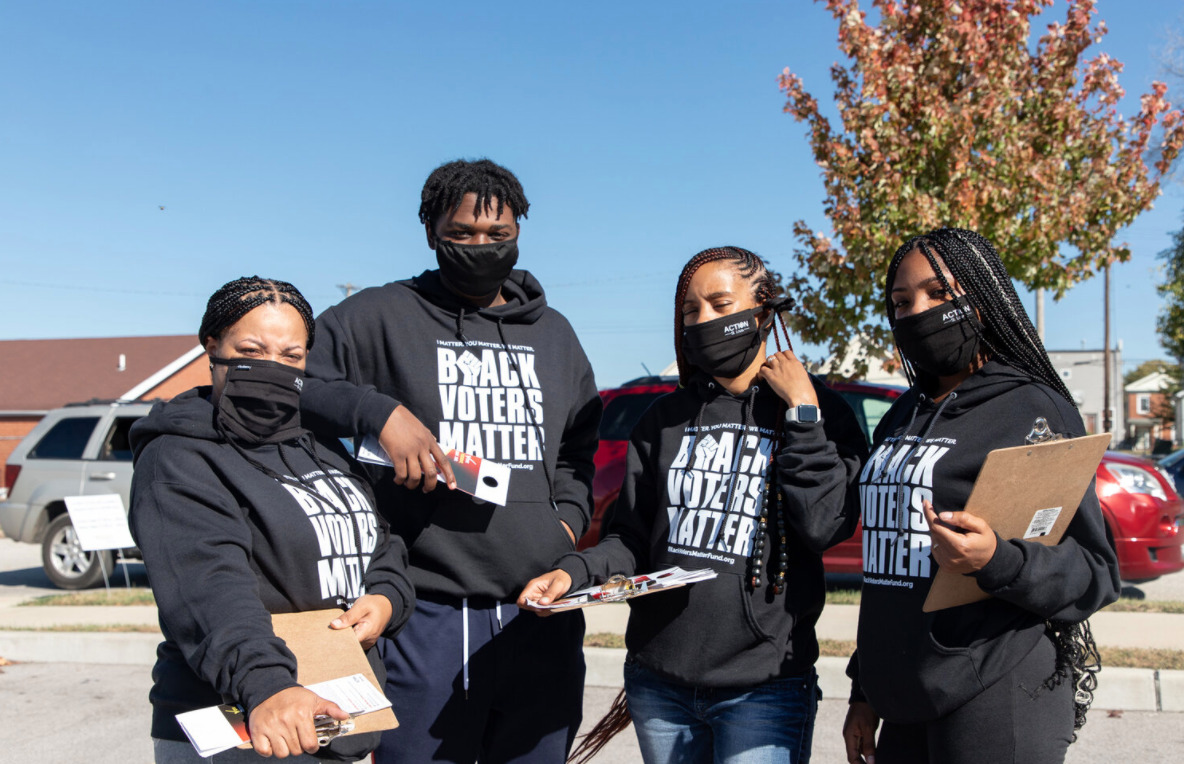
622,413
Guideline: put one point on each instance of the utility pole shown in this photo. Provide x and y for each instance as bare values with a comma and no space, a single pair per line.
1107,411
1040,313
348,287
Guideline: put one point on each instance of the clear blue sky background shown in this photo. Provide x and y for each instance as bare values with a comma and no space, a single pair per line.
290,138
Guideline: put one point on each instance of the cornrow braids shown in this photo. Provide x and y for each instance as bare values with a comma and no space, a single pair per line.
1007,331
749,265
239,297
493,184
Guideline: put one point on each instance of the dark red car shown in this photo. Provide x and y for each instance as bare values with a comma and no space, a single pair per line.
1142,509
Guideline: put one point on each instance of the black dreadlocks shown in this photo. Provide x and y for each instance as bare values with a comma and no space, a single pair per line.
748,264
239,297
1008,333
492,183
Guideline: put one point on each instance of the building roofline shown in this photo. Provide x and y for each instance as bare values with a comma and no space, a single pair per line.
166,372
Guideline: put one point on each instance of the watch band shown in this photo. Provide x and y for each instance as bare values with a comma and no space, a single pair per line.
805,412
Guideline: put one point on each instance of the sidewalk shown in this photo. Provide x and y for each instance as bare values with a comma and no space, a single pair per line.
1119,688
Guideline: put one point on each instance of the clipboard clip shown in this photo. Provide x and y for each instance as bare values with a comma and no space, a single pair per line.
619,588
328,728
1041,432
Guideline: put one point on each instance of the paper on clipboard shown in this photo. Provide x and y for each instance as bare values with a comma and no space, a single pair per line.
330,662
1026,492
482,478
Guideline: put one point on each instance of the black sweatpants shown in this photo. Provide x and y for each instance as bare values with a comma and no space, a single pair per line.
485,683
1017,720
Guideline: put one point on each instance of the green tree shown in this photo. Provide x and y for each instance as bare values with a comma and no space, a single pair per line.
1170,322
950,117
1148,367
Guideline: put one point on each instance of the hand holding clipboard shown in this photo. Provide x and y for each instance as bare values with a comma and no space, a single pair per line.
1026,492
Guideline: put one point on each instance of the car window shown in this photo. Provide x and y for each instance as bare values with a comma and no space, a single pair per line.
117,447
869,410
622,413
66,439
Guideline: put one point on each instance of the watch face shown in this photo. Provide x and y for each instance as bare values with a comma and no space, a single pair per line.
807,413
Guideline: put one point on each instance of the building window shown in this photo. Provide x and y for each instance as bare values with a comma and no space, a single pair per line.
1143,404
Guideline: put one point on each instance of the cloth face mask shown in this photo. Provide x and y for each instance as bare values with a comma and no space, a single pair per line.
260,402
724,347
942,340
476,270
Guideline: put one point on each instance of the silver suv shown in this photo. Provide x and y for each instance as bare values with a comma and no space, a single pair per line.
79,449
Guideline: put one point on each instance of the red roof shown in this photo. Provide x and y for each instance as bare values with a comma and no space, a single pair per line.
37,375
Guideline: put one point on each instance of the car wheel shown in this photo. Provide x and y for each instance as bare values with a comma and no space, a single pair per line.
65,562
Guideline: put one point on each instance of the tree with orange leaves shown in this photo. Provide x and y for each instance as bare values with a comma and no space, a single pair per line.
949,118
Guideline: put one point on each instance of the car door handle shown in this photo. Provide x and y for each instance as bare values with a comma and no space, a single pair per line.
102,476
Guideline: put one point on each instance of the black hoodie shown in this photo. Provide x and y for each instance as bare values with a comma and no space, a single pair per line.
719,632
914,666
474,377
226,546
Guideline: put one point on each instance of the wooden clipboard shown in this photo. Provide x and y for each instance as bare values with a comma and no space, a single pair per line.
1025,492
323,654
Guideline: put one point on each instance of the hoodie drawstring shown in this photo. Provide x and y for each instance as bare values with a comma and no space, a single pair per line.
902,513
460,329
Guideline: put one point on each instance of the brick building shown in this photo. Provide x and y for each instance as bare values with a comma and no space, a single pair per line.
39,375
1149,415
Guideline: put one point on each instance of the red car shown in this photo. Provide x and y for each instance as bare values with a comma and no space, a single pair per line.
1142,509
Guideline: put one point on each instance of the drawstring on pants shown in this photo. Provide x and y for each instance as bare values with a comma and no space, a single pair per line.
464,615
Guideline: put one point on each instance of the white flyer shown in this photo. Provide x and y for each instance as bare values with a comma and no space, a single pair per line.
100,522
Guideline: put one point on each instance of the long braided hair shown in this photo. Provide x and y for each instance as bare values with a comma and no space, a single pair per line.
493,184
748,265
1009,336
239,297
1007,332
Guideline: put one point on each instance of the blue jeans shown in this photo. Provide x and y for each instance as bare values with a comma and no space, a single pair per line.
764,724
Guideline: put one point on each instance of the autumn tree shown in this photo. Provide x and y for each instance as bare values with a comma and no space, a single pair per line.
949,116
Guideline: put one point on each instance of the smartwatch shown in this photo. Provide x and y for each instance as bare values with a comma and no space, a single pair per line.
806,412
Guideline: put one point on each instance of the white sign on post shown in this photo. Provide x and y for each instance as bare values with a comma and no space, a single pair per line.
100,522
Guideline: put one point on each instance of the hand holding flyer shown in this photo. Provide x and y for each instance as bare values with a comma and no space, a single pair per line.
620,588
478,477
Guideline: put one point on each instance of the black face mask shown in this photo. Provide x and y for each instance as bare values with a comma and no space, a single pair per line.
476,270
724,347
941,341
260,402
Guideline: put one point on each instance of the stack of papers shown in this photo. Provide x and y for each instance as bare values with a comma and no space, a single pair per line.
619,588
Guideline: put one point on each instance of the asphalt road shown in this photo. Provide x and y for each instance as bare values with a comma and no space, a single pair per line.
99,714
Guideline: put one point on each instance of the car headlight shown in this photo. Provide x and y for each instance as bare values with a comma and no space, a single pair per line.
1137,480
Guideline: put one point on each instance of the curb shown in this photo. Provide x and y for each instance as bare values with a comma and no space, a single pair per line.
1119,689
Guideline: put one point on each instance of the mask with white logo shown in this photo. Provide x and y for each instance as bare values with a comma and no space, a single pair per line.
260,402
942,340
724,347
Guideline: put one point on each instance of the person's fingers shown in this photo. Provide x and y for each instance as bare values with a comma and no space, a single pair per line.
329,708
966,521
444,465
400,466
428,467
261,744
347,619
414,473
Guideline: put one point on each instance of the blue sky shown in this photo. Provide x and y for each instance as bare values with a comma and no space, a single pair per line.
291,139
